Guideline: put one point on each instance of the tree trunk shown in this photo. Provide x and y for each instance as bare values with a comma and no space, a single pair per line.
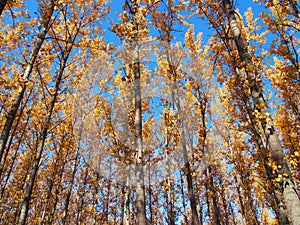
200,213
232,213
127,202
225,204
15,106
96,197
40,148
188,173
187,166
70,188
169,197
214,197
11,167
58,169
240,198
150,193
107,199
183,198
140,187
170,203
123,203
2,163
81,198
207,199
169,184
9,172
138,120
2,5
22,186
57,190
287,187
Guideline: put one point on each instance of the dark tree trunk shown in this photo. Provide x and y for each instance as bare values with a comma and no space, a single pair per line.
6,152
214,197
58,169
81,200
25,77
70,187
183,197
29,187
187,165
2,5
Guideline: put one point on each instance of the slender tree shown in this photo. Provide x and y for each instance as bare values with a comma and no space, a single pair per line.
195,122
46,24
287,185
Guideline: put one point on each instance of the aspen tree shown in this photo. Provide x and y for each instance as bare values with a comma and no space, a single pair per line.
137,24
35,166
166,27
46,24
287,186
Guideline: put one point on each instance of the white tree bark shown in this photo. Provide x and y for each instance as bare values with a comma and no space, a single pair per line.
290,199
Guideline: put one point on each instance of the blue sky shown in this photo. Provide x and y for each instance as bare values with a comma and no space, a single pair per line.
116,7
200,26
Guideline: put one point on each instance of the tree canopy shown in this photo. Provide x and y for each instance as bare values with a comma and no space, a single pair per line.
149,112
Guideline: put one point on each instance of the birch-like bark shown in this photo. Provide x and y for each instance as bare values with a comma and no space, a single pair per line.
126,217
200,212
139,173
171,220
232,214
290,199
107,199
261,143
138,125
22,186
240,198
169,184
15,105
207,200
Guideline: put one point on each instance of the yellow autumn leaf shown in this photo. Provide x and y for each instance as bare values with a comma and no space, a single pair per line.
278,179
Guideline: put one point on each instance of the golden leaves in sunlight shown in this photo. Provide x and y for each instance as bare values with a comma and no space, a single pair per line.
202,134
